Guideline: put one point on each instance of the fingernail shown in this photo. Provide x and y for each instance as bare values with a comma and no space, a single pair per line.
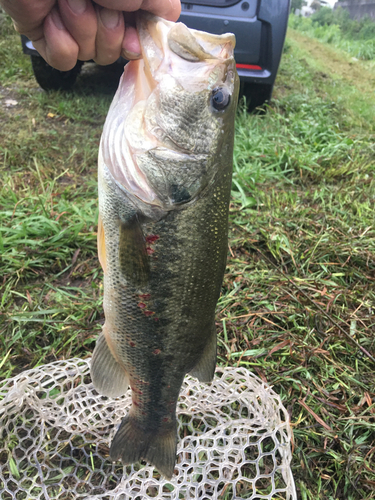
110,18
57,21
78,6
127,54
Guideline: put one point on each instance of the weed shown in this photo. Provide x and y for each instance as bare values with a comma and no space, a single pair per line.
335,27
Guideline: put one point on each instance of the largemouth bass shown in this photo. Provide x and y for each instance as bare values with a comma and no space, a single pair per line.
165,167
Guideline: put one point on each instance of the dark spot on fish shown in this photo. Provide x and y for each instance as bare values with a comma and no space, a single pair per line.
156,351
186,311
166,419
141,305
179,194
131,343
152,238
156,319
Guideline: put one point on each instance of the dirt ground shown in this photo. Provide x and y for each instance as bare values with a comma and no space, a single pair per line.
337,63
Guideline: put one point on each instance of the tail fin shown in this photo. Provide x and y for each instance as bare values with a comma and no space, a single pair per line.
131,444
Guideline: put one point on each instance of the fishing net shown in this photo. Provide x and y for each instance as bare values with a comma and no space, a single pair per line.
55,431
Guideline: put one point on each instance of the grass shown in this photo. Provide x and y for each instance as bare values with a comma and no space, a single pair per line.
298,296
357,38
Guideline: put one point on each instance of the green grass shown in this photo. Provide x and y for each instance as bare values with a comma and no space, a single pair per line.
301,261
344,34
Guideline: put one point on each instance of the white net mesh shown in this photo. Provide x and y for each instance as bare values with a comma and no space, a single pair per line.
55,431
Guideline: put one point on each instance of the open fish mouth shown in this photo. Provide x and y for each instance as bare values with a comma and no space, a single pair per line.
168,48
176,62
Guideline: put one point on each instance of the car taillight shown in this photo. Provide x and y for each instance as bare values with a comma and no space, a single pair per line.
248,66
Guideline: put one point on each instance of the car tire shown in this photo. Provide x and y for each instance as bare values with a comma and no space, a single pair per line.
52,79
256,95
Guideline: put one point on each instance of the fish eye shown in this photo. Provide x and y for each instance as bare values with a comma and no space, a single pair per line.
220,98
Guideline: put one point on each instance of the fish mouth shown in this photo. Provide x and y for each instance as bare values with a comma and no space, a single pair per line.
193,60
190,56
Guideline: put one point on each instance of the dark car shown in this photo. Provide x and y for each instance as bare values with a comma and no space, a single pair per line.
260,28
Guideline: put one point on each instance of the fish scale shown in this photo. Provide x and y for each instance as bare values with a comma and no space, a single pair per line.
163,251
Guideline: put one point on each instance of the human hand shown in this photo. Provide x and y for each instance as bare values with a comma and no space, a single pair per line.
63,31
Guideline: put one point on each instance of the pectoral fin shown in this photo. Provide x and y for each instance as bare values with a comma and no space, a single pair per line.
101,245
133,257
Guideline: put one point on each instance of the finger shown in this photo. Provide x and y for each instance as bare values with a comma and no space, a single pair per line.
122,5
109,36
28,17
80,19
169,9
57,46
131,48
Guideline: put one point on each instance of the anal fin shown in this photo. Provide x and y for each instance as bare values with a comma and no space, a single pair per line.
204,370
132,443
108,376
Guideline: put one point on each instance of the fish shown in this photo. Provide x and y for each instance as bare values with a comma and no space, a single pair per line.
164,180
